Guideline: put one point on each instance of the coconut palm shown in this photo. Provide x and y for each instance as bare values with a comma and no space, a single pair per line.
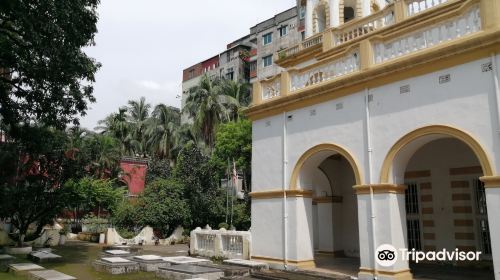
241,94
118,126
139,118
208,106
161,130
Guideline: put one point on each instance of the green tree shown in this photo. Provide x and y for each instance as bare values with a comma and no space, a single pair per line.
31,177
46,77
208,106
163,206
206,198
118,126
161,131
240,92
234,142
139,117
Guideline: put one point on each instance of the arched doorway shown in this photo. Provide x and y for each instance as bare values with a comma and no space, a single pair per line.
445,201
330,172
321,17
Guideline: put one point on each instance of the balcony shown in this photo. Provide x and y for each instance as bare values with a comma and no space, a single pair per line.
404,34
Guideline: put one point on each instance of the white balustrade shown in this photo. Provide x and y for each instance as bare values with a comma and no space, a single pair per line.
343,66
460,26
221,243
308,43
418,6
364,26
271,88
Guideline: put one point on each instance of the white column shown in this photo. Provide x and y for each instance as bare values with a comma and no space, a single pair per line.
492,190
390,228
493,205
334,13
366,9
309,18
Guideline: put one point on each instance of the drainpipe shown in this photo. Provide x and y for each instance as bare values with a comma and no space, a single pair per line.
369,171
285,211
497,88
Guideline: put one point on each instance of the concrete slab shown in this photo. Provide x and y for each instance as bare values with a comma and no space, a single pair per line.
185,260
24,268
117,253
49,275
183,271
247,263
44,256
150,263
229,270
116,265
5,260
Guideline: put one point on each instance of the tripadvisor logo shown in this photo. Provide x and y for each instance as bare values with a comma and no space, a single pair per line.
387,255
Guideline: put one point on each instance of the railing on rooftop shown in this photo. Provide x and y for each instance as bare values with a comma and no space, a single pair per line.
375,41
221,243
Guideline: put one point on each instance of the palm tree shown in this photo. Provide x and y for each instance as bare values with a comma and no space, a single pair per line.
139,117
241,94
161,130
118,126
208,106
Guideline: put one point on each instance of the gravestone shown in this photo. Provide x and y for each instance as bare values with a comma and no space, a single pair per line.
229,270
184,260
49,275
149,262
115,265
43,256
23,268
246,263
5,260
183,271
117,253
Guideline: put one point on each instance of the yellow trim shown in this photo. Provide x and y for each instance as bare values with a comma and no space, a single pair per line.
443,56
380,188
461,135
491,182
326,147
301,264
279,194
404,274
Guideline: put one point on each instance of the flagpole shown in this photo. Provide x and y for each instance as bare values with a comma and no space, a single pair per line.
228,176
233,188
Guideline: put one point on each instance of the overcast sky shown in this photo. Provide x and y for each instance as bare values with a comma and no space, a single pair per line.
144,45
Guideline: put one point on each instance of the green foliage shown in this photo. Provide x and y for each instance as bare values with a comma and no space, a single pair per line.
234,142
125,233
89,194
158,169
125,216
163,206
47,77
206,198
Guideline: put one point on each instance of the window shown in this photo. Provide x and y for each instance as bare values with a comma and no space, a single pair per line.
413,217
267,38
481,216
348,14
268,60
283,30
302,12
230,74
191,74
303,35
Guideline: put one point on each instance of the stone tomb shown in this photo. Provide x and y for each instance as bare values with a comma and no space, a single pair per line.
116,265
117,253
185,260
229,270
5,260
44,256
253,265
132,249
49,275
183,271
23,268
149,262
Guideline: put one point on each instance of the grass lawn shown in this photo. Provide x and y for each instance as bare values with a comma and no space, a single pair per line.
77,258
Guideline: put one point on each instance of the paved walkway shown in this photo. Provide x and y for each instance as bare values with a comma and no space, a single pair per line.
350,266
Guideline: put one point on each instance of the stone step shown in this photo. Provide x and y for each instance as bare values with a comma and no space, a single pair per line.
49,275
253,265
296,275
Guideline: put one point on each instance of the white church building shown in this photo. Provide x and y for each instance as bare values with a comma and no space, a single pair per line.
382,128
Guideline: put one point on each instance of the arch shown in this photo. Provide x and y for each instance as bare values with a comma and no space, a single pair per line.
438,131
326,147
323,4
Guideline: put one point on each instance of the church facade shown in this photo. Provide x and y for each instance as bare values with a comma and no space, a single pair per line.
383,128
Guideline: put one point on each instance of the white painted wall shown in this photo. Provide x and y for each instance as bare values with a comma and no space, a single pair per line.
466,102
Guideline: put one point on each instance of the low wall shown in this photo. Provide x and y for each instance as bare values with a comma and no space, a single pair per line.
221,243
146,235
